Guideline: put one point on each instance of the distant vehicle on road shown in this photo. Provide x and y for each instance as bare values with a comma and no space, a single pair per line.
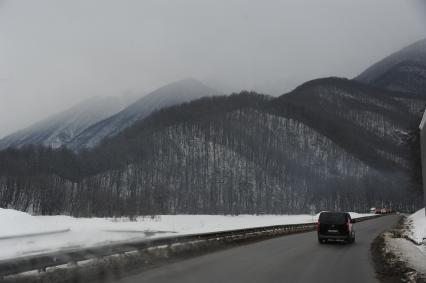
377,210
335,226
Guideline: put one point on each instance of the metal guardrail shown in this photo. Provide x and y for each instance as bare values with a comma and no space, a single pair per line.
41,262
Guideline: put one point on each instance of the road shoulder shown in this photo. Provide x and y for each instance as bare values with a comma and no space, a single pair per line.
396,259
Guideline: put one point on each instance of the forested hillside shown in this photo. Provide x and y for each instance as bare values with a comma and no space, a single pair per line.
331,143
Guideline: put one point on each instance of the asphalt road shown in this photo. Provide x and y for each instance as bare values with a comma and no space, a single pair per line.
293,258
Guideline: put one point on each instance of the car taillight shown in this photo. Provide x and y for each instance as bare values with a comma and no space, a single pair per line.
347,225
318,226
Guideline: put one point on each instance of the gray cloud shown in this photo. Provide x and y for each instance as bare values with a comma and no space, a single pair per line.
55,53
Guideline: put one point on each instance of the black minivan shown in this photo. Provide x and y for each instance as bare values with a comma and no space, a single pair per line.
335,226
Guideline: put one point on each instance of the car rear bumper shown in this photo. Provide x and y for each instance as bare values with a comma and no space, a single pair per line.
333,237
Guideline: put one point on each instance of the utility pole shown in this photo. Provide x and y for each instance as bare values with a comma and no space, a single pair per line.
422,128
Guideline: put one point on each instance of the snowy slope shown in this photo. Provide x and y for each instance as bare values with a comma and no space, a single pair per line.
417,223
15,223
171,94
411,248
59,129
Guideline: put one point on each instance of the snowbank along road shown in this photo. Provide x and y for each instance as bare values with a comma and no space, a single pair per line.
294,258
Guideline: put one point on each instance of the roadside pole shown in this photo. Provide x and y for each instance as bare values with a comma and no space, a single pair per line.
422,128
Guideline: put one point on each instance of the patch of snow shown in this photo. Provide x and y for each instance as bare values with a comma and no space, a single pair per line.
85,232
417,223
355,215
423,121
15,223
412,249
408,252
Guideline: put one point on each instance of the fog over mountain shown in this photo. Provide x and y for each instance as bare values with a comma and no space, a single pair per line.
54,54
168,95
60,129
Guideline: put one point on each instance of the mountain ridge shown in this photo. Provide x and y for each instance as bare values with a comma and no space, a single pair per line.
404,70
58,129
85,124
170,94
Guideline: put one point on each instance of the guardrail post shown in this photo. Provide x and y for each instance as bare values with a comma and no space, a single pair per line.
422,128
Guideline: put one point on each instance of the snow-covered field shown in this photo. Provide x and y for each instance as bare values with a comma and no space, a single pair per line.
18,229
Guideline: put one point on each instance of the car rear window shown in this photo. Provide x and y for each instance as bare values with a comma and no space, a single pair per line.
332,218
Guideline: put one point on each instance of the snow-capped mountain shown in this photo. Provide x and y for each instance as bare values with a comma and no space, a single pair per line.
87,123
403,71
61,128
171,94
332,143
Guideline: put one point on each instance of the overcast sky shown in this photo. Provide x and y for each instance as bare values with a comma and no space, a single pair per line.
55,53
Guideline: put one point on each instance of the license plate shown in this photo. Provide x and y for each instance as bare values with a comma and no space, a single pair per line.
333,231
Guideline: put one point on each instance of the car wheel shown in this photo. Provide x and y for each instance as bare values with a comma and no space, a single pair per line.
321,241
